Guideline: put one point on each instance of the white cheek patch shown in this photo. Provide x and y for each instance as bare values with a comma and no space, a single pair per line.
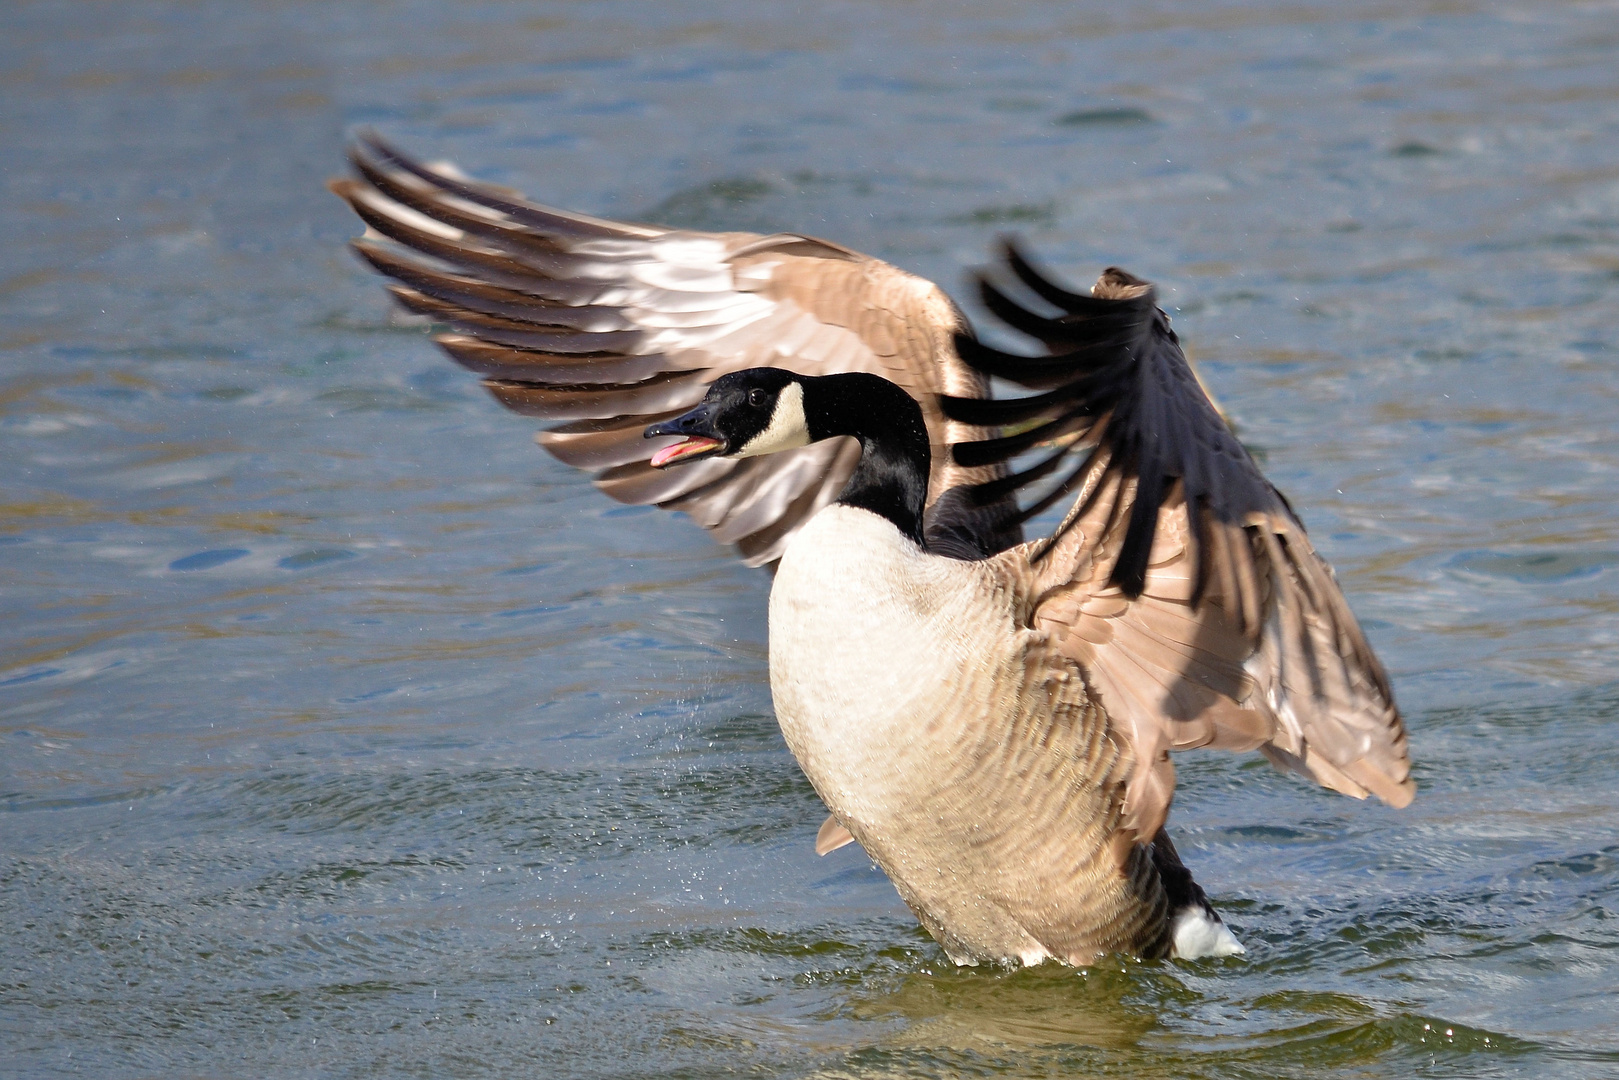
788,427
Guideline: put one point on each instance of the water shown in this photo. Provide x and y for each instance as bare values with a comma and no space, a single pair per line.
344,733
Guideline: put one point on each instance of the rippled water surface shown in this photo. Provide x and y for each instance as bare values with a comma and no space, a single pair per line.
344,733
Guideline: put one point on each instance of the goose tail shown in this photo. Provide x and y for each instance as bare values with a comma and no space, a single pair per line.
1196,929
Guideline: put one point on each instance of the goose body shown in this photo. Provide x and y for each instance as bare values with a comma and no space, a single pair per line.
990,718
942,733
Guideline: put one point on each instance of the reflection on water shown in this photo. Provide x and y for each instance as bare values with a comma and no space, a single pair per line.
343,732
1018,1012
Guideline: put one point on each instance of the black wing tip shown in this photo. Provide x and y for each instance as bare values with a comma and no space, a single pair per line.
1110,353
1130,580
1108,331
1115,285
1120,304
369,143
1039,282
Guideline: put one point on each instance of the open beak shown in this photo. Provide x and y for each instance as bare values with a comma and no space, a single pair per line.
699,438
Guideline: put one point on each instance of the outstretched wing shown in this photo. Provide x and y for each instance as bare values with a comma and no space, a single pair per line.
1180,581
603,328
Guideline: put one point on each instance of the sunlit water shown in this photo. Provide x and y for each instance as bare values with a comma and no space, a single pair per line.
344,733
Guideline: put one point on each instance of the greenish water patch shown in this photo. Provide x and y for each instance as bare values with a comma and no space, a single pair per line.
717,204
1116,116
1043,213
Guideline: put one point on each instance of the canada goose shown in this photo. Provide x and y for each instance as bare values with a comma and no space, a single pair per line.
990,718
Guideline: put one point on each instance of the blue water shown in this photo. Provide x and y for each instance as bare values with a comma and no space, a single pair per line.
342,732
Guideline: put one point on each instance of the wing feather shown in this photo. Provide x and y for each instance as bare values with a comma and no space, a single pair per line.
1180,582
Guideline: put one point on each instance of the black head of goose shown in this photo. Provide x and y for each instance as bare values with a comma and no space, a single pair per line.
768,410
992,719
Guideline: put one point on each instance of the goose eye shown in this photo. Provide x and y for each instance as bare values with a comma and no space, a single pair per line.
757,398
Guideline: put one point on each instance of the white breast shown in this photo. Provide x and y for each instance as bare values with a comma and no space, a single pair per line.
871,644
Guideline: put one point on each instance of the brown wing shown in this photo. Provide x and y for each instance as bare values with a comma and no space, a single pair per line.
1181,581
605,328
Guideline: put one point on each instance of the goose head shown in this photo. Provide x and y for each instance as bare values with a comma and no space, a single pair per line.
744,414
768,410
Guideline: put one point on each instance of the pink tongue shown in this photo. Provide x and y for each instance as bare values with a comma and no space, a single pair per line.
684,448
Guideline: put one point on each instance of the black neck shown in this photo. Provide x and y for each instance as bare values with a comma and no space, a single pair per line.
892,477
